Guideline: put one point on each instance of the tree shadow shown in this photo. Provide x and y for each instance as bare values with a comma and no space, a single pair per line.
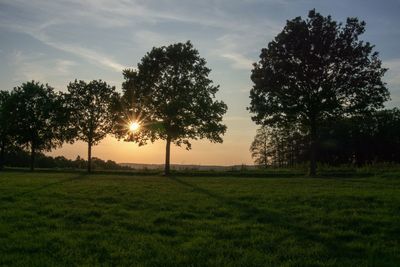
12,197
337,248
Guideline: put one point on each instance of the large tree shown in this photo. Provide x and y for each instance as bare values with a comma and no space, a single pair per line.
314,69
37,117
173,98
91,113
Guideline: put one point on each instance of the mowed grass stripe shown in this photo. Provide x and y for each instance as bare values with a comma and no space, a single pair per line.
70,219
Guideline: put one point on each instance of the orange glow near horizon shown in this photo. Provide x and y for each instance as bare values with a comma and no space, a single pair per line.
233,151
203,152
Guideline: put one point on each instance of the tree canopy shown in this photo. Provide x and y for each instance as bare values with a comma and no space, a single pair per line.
172,96
90,107
36,117
315,69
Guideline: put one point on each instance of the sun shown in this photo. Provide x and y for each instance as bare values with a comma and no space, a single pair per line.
134,126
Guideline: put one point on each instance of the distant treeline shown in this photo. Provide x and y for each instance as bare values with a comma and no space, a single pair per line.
19,158
358,140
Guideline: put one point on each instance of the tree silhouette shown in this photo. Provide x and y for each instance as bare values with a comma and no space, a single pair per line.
5,125
278,146
260,147
90,108
315,69
172,96
36,118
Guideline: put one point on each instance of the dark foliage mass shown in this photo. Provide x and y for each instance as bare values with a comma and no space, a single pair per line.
19,158
280,146
314,70
89,106
173,97
34,118
357,140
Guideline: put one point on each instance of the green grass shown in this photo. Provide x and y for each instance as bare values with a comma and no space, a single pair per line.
72,219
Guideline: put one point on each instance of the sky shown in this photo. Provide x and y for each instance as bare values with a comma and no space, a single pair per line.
58,41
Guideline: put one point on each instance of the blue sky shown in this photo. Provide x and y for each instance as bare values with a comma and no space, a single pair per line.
57,41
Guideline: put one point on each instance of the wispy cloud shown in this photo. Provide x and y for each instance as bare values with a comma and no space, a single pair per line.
239,61
87,54
63,66
38,67
393,74
129,14
147,39
119,13
90,55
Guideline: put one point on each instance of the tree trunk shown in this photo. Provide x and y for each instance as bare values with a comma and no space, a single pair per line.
32,157
265,153
313,149
167,156
89,162
2,152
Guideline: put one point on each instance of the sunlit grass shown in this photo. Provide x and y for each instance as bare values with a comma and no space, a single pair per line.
50,219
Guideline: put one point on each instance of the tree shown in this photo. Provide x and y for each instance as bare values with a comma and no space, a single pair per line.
173,98
260,147
279,146
37,118
90,108
5,125
315,69
374,138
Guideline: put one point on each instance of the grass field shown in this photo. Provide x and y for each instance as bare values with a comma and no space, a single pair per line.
72,219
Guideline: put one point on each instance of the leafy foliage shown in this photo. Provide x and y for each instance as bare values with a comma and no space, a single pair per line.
316,69
172,96
358,140
260,147
37,117
90,105
362,139
279,146
91,114
18,158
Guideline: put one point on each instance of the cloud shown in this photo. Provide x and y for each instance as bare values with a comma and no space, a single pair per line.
239,61
41,18
147,39
63,66
38,67
392,79
25,68
90,55
393,74
121,13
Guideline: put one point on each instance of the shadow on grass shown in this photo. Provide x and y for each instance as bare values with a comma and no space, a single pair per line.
303,233
12,197
177,173
263,173
84,171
